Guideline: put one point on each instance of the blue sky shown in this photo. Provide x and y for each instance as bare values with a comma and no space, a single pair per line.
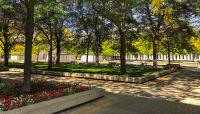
195,21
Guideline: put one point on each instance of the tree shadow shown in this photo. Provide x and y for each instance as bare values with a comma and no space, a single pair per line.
176,87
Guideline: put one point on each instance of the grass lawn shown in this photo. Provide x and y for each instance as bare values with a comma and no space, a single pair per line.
83,68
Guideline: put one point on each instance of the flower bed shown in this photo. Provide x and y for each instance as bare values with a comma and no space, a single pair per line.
11,95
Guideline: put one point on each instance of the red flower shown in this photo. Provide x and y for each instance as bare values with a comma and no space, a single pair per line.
11,102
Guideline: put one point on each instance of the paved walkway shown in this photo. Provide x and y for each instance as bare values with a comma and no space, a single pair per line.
124,104
178,93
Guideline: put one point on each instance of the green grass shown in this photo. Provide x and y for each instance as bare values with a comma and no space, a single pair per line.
83,68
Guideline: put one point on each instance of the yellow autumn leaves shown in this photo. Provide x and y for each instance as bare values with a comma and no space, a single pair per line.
157,3
162,9
195,42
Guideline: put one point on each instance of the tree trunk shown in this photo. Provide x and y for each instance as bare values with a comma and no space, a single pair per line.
87,55
29,29
6,44
50,59
58,55
154,55
38,56
58,50
88,49
168,52
6,57
97,58
122,52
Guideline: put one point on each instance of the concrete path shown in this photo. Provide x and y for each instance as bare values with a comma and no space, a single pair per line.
178,93
123,104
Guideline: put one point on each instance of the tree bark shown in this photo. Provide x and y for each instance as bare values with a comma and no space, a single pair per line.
29,29
6,56
58,54
6,44
155,29
168,52
122,52
87,51
88,47
87,55
38,56
50,58
97,58
155,53
58,47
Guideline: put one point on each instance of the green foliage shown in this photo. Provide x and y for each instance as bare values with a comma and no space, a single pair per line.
109,48
6,6
143,46
196,6
2,107
74,47
98,26
39,44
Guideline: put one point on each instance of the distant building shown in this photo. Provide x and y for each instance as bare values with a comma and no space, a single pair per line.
189,57
91,58
66,58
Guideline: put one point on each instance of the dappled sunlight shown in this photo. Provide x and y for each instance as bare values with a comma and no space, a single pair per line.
191,101
164,78
197,90
181,86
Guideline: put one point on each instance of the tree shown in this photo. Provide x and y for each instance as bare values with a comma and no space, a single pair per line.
176,37
59,26
84,26
39,44
101,32
153,20
196,6
8,32
157,15
195,42
29,30
45,15
18,49
120,14
109,48
74,47
92,27
176,31
143,45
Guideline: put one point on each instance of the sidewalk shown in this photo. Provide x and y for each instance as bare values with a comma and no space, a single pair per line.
177,93
123,104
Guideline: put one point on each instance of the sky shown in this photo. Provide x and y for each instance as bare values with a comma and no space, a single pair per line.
195,21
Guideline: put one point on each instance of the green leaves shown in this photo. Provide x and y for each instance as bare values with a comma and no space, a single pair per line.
109,48
5,6
50,10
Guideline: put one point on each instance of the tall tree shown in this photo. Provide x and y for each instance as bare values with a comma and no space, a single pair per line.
39,45
84,18
45,15
61,14
120,14
8,31
155,13
29,30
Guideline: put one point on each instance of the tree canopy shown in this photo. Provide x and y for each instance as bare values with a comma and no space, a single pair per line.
99,27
